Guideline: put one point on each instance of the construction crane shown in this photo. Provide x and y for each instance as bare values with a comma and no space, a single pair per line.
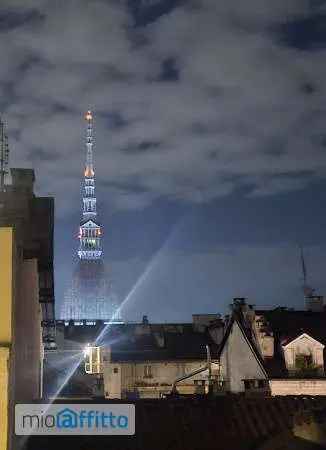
4,155
308,291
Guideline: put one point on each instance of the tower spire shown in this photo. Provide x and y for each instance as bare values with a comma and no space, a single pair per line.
90,231
89,169
90,295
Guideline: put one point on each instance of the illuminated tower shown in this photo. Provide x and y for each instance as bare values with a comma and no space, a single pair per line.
90,295
90,230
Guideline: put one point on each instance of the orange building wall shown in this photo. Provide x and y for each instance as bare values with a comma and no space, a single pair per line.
6,301
6,275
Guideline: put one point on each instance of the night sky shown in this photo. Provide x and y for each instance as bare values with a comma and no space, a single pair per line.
210,142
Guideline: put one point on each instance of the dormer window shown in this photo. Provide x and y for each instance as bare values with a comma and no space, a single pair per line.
304,356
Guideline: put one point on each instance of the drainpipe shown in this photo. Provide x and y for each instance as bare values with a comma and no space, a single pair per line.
189,375
208,366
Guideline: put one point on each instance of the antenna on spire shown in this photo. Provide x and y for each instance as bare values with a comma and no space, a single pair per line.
303,264
89,171
307,290
4,155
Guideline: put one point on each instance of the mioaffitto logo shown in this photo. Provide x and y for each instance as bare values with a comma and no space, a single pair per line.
73,419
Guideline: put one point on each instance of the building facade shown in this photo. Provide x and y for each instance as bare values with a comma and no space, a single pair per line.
249,352
274,352
27,296
252,353
135,360
153,360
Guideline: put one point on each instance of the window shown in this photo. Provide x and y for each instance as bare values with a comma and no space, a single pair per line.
115,370
303,361
254,384
148,372
92,357
305,366
247,384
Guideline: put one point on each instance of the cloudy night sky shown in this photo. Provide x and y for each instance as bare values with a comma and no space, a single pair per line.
210,142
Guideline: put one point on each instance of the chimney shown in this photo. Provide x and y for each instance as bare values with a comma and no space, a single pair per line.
315,303
200,322
239,303
143,327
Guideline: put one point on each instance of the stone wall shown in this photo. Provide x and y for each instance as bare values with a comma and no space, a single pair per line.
298,387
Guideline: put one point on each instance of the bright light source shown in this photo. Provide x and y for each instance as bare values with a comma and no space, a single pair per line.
88,115
92,356
89,172
87,350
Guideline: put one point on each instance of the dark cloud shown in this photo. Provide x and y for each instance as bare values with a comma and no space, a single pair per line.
169,71
308,88
194,102
147,11
115,120
143,146
184,94
39,154
11,19
308,33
